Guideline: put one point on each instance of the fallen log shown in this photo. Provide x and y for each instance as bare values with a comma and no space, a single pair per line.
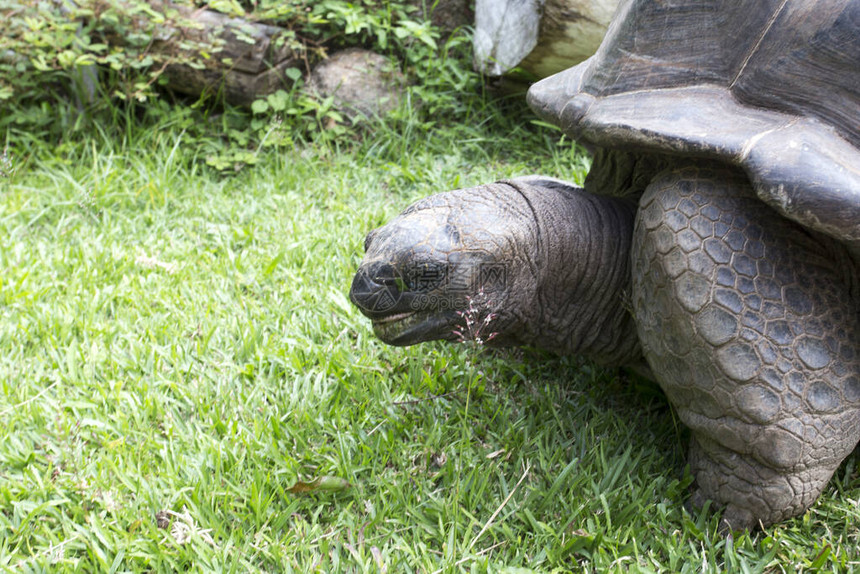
541,37
250,61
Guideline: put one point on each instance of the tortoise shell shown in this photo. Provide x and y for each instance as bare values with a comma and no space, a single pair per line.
771,86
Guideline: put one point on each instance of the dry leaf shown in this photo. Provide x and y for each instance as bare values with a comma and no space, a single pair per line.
155,263
323,483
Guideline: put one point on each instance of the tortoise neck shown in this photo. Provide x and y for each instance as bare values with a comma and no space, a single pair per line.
583,276
617,173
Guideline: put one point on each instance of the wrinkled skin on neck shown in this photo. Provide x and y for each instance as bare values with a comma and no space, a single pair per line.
547,262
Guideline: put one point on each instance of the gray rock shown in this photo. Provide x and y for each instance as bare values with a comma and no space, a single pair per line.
540,36
360,81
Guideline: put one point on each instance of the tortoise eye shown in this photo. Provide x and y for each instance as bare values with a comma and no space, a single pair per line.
368,238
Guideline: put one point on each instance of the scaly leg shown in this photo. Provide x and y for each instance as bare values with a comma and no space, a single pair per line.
748,323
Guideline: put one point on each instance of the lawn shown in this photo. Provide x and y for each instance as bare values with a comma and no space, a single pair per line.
179,352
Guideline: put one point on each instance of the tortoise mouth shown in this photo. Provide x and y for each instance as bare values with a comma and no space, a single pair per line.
412,327
394,318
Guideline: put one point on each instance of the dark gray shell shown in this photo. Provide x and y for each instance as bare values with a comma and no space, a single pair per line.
772,86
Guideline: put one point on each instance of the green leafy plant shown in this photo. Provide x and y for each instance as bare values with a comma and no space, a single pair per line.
66,65
94,45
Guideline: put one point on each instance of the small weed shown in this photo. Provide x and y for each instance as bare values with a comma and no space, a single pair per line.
7,166
476,320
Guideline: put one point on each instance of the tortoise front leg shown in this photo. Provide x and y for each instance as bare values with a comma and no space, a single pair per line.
749,326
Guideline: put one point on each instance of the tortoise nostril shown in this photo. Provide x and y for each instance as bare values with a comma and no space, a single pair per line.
383,274
376,289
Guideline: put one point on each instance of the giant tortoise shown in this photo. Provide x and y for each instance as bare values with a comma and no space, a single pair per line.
715,245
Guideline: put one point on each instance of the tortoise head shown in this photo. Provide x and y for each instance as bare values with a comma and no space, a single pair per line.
445,260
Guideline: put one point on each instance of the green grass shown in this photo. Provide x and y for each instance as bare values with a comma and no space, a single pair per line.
178,343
